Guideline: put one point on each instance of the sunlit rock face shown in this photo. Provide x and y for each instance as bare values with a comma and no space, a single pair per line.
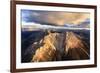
51,49
61,46
44,53
75,47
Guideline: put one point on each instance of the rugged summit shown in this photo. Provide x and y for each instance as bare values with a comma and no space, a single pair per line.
57,46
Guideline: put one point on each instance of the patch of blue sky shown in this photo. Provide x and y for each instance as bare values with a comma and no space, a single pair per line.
27,15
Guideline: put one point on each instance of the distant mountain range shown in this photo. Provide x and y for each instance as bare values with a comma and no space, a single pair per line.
37,26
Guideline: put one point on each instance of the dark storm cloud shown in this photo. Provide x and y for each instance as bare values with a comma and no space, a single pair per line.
55,17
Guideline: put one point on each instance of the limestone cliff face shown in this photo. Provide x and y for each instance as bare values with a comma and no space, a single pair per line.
61,46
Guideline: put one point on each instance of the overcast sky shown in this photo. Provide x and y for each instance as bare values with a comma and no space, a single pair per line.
55,18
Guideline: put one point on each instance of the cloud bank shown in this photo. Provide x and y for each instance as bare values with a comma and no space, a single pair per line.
58,18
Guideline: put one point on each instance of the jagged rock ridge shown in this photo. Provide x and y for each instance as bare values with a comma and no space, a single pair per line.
61,46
